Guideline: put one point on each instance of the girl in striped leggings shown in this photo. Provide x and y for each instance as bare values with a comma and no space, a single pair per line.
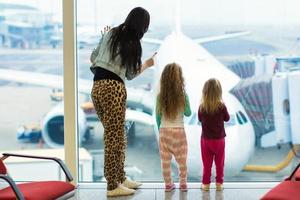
172,104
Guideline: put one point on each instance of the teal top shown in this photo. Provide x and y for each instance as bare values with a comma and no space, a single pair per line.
178,122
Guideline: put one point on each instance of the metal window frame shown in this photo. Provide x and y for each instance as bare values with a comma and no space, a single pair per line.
70,87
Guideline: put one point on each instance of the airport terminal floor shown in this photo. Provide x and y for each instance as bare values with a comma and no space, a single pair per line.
191,194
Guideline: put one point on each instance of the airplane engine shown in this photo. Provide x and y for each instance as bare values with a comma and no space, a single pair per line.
53,126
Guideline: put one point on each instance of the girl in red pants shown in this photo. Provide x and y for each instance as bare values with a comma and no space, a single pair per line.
212,113
172,104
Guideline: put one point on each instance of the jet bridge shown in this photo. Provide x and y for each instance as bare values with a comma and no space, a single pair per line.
255,94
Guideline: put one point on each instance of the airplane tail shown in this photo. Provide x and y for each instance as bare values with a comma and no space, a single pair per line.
178,16
177,24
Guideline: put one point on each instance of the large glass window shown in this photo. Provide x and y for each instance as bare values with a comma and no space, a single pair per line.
239,42
31,83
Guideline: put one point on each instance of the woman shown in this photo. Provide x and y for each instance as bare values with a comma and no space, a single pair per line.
118,56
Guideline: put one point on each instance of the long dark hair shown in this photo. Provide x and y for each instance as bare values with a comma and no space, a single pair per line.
125,39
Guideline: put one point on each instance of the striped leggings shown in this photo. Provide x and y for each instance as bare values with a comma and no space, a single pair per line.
172,141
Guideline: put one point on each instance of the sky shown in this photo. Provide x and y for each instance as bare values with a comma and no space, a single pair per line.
199,12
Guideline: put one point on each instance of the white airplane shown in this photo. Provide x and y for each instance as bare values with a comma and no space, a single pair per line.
198,65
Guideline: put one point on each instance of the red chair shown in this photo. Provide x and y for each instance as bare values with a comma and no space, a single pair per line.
289,189
41,190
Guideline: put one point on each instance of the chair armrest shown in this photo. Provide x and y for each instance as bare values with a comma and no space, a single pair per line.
14,187
295,173
57,160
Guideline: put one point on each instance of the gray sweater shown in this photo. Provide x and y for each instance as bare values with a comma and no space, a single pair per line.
101,57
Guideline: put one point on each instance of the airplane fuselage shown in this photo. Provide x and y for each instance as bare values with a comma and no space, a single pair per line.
198,65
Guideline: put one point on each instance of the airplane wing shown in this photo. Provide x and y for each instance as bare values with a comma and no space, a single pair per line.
152,41
205,39
137,98
221,37
42,79
138,116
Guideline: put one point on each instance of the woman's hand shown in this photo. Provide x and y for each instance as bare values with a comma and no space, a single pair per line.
105,30
150,61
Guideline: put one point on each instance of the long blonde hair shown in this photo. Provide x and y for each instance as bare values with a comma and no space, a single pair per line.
171,97
211,96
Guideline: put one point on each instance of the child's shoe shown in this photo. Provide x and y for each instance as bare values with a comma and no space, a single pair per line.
170,187
183,187
120,191
219,186
205,187
131,184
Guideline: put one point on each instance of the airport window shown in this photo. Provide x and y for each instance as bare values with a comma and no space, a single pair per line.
243,117
193,119
286,107
239,118
230,42
31,87
231,121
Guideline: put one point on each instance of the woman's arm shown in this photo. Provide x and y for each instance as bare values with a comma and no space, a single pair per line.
95,51
148,63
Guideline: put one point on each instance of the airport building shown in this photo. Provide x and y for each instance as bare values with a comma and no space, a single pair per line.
25,26
52,142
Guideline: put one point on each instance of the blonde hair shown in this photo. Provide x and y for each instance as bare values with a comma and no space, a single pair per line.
211,96
171,97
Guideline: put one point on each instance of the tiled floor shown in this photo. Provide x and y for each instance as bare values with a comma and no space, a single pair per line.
159,194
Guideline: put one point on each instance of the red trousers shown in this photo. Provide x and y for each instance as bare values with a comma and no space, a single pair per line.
212,150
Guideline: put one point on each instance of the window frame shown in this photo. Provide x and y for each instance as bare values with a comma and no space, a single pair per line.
70,87
70,116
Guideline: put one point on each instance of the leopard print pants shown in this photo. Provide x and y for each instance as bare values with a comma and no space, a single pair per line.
109,98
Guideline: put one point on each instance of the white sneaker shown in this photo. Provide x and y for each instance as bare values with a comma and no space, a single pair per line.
120,191
219,187
131,184
205,187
